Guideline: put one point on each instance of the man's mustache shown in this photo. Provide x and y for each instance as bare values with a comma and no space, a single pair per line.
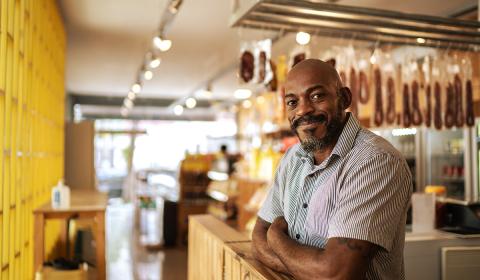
308,119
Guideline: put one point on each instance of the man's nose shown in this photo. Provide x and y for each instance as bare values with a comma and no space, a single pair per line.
304,107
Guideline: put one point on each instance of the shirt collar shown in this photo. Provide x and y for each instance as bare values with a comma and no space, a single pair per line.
347,137
345,140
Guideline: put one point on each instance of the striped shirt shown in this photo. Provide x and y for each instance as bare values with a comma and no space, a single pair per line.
361,191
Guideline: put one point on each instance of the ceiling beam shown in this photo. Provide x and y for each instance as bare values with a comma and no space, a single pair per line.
103,100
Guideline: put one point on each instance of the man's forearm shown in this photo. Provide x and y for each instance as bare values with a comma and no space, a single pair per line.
267,256
298,259
262,251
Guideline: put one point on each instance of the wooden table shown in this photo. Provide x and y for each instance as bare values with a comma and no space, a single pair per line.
85,204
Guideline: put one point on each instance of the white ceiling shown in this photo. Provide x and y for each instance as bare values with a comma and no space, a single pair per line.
107,40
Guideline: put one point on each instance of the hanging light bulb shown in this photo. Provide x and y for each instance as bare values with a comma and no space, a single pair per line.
162,44
157,40
131,95
178,110
191,103
136,88
303,38
128,103
165,45
154,63
148,75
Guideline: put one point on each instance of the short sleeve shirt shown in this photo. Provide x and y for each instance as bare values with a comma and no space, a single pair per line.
361,191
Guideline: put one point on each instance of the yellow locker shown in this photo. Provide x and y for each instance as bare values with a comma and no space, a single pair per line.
32,46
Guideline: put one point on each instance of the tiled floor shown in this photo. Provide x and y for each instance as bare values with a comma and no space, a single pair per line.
127,260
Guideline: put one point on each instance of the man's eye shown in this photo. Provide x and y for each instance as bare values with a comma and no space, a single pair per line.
291,103
316,96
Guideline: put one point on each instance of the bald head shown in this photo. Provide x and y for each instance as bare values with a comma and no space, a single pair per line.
318,68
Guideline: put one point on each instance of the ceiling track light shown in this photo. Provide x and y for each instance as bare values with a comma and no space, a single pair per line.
128,103
174,6
191,103
147,75
178,110
131,95
136,88
161,43
153,61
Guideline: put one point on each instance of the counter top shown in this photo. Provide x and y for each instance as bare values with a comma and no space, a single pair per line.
437,235
80,201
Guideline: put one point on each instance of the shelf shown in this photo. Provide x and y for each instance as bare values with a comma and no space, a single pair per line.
367,24
448,155
453,179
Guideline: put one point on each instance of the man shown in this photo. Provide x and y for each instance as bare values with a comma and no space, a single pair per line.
337,206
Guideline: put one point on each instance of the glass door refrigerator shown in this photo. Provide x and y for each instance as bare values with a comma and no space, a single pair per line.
451,160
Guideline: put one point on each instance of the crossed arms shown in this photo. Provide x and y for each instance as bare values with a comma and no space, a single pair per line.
342,258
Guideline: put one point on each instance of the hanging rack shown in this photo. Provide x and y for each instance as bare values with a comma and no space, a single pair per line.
334,20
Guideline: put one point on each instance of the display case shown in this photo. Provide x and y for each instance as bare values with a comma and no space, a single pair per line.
447,158
445,153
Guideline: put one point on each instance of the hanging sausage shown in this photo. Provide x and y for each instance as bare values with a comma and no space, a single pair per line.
247,62
363,90
262,65
470,118
428,92
378,115
469,114
416,114
437,68
428,109
437,110
407,121
391,112
354,91
273,83
459,118
450,106
389,73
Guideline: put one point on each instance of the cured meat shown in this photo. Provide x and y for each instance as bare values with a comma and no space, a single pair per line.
416,113
460,116
391,114
378,117
437,110
470,117
450,107
273,83
298,58
363,90
354,90
246,66
407,120
262,64
428,109
332,62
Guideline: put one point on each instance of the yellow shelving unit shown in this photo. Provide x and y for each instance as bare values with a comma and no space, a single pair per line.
32,53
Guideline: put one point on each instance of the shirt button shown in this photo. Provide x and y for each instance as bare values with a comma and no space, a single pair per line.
305,205
297,236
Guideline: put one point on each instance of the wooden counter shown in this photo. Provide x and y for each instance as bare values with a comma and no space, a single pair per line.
83,204
217,251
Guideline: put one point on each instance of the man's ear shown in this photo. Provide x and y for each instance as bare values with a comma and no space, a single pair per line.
345,97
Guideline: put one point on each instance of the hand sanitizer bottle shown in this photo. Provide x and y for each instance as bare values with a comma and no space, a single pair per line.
60,196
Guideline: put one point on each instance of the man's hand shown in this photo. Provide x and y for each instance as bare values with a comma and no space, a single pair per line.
260,249
277,230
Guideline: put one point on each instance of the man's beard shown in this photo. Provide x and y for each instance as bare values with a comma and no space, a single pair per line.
310,143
